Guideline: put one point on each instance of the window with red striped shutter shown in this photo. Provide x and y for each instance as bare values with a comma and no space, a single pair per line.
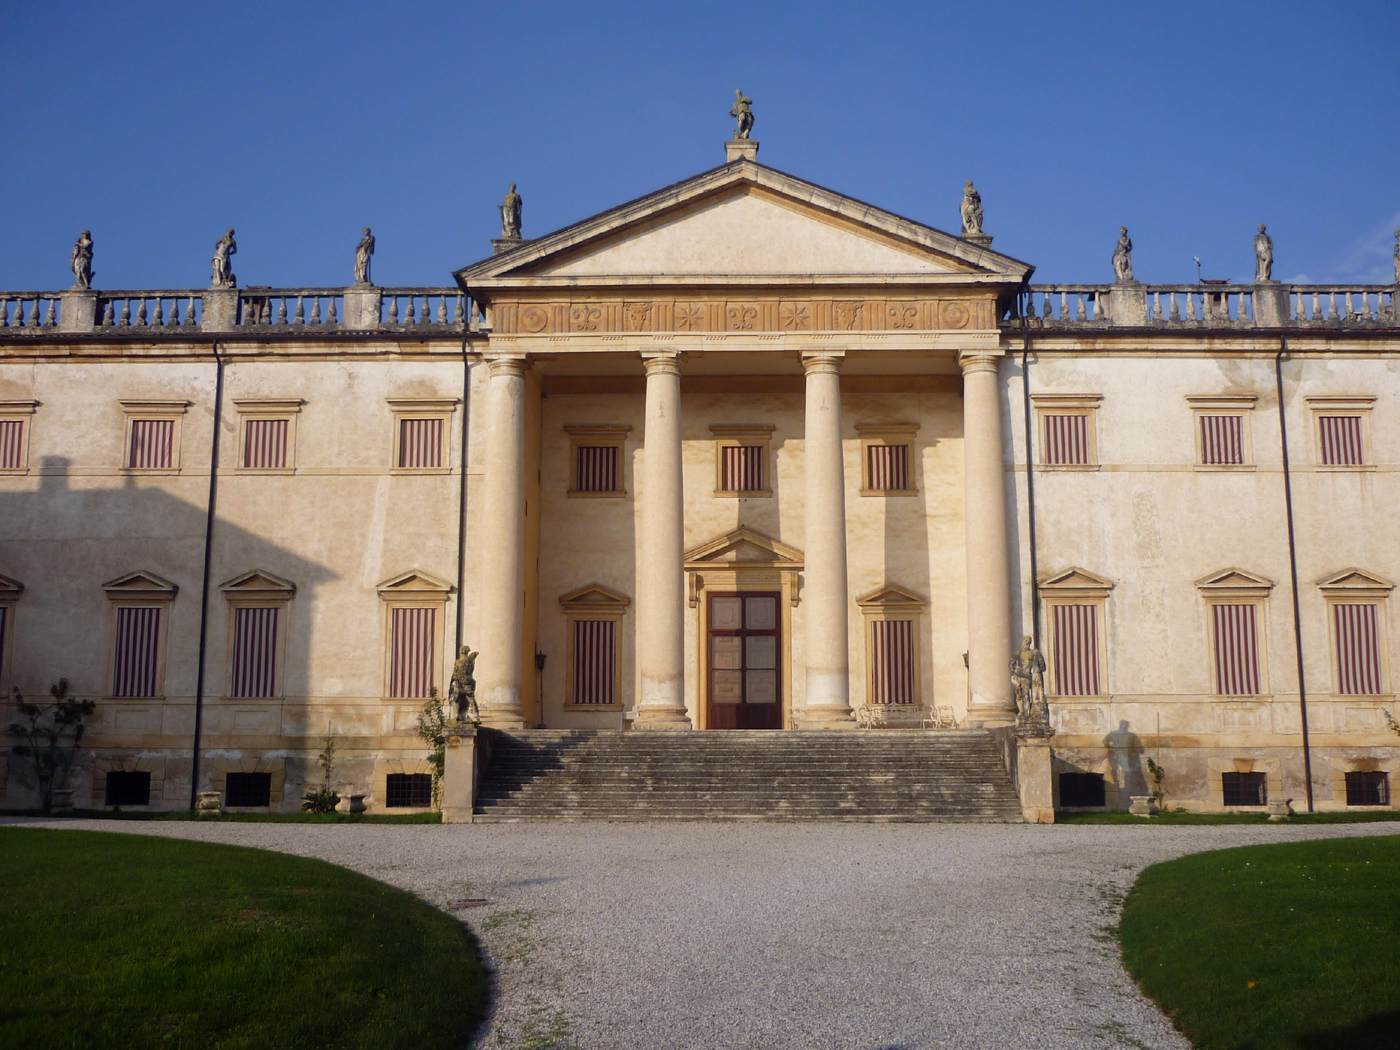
4,622
1340,439
135,662
412,649
152,445
887,468
595,661
1236,629
420,444
265,444
1076,651
1066,439
12,444
892,662
254,671
596,468
1356,628
742,468
1222,440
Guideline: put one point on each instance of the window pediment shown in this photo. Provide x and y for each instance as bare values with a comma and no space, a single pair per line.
10,588
746,546
1075,579
892,598
141,584
414,584
259,584
594,597
1355,581
1234,580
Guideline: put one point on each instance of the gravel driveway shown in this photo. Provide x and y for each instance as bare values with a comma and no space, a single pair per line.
783,935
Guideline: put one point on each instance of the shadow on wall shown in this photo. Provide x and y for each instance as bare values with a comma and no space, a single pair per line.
63,543
1125,772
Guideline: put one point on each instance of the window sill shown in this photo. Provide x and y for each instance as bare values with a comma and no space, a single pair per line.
889,492
260,470
1344,468
1226,468
12,472
592,707
746,494
420,470
252,699
151,471
585,494
1067,466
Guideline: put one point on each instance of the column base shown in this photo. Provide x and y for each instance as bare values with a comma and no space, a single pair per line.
826,718
989,717
669,719
507,720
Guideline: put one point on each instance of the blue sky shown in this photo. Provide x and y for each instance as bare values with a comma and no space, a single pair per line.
158,125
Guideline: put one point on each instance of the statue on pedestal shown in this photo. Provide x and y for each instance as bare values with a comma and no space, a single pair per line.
971,210
461,690
1028,681
1263,256
224,250
742,112
510,215
1123,258
363,251
82,261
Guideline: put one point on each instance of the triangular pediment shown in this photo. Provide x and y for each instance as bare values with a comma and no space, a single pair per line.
140,584
1234,579
1075,579
740,221
9,587
744,546
891,597
258,582
594,596
414,584
1355,579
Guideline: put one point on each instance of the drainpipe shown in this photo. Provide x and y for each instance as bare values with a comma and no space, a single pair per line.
462,493
1293,567
1030,475
204,587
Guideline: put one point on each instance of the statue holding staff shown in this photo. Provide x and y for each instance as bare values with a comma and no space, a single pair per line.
510,215
742,112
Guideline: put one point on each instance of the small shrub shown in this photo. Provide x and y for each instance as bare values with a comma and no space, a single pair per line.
323,799
48,736
432,727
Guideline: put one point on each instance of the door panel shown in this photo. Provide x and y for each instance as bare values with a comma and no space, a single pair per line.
745,686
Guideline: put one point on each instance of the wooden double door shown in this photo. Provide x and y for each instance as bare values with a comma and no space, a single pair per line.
744,687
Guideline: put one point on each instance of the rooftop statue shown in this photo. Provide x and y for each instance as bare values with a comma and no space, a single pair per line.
510,215
224,250
971,210
82,261
742,112
363,251
1263,256
461,690
1123,258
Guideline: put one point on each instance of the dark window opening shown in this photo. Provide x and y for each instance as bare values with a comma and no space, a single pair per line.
1245,789
408,789
1082,790
1368,788
248,789
128,789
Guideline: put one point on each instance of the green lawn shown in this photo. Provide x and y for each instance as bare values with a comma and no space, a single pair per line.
1294,945
1350,816
114,940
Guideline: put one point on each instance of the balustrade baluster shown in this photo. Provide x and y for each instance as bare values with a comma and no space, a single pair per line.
107,314
330,310
412,316
125,318
189,311
1332,305
1079,314
300,317
158,318
50,315
141,321
393,309
281,309
315,309
1348,314
442,310
1156,306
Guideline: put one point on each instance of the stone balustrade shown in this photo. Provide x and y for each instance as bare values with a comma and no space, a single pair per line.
1208,305
29,310
158,310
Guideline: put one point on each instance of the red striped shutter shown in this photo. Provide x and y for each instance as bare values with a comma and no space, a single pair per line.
265,444
420,444
1222,440
254,652
11,444
595,468
594,661
1341,441
1076,650
892,661
152,444
411,663
1067,440
134,668
887,467
1358,649
4,612
1236,650
741,468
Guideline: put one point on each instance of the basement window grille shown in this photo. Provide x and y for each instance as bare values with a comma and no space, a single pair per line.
128,788
1245,789
1082,791
248,789
408,789
1368,788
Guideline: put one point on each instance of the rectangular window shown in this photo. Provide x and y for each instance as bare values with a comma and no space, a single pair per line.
128,788
412,652
138,635
1358,649
1082,790
887,468
408,789
248,789
420,444
595,672
1340,441
892,661
1067,439
4,622
1244,789
152,445
742,468
1076,650
265,444
254,652
1368,788
1222,440
596,468
12,444
1236,649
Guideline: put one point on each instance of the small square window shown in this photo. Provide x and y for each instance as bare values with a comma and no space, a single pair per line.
1368,788
741,460
1342,431
1082,791
1223,437
1068,429
1244,789
15,418
152,436
421,434
125,788
248,789
403,790
887,459
595,460
267,439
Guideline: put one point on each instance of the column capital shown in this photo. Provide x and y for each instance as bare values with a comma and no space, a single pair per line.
662,362
826,362
506,364
979,361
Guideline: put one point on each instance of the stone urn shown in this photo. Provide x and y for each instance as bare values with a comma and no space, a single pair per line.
1142,805
1280,810
357,804
209,804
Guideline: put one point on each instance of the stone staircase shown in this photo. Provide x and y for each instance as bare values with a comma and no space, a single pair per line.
866,775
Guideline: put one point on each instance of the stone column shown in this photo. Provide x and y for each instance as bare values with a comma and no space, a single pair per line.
660,576
825,598
502,546
988,578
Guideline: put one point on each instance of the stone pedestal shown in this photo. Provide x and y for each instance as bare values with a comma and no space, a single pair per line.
1034,779
459,771
220,310
78,310
361,311
982,240
1127,305
1270,305
505,244
740,149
